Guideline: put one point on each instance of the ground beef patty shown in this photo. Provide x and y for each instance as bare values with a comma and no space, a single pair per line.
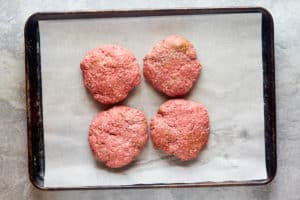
172,66
180,128
110,72
118,135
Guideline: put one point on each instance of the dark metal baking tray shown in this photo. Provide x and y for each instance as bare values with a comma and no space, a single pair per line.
36,159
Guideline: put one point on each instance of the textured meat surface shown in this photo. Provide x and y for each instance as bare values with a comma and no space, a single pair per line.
110,72
172,66
180,128
118,135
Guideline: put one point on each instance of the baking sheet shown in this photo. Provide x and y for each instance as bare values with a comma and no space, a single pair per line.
230,86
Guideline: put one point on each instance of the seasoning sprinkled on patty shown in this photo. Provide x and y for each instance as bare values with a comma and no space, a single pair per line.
118,135
110,72
172,66
180,128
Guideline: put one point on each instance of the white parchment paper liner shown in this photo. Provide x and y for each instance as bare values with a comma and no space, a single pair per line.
230,86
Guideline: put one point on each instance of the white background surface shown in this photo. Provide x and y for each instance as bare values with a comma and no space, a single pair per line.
14,182
230,86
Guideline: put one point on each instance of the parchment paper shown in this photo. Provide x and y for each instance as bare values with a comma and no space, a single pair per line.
230,86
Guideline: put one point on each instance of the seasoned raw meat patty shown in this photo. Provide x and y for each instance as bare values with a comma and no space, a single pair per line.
118,135
110,72
172,66
180,128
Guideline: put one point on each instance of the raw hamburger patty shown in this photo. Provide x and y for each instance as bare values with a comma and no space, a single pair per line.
172,66
180,128
110,72
118,135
